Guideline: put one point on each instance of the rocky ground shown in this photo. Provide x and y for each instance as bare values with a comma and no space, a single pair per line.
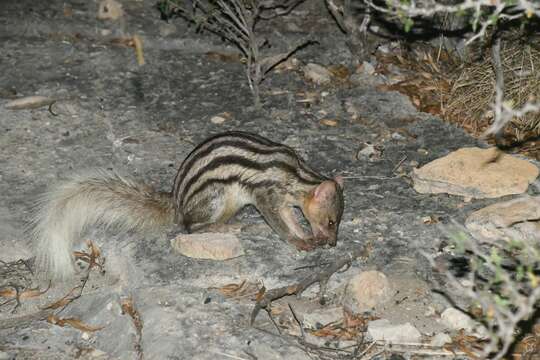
154,303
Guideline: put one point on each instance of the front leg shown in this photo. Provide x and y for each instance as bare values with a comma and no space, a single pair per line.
282,220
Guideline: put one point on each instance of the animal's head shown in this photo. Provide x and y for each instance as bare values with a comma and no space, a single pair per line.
323,208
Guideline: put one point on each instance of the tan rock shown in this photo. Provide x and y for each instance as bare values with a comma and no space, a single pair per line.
475,173
215,246
110,10
366,291
517,219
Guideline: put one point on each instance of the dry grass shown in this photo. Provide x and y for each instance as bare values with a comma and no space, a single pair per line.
423,76
438,82
473,91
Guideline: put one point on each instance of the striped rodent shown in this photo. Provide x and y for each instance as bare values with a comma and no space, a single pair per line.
219,177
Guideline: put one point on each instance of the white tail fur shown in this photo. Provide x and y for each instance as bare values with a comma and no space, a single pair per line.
93,197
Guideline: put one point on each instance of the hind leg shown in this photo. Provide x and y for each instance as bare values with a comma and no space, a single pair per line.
212,212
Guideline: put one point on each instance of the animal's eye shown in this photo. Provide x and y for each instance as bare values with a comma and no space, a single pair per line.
331,223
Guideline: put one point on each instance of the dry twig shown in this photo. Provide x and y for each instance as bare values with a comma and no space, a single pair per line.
320,277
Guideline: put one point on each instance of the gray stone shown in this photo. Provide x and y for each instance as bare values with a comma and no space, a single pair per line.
457,320
320,317
403,333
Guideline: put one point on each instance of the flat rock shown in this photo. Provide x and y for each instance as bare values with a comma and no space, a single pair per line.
402,333
366,291
215,246
516,219
475,173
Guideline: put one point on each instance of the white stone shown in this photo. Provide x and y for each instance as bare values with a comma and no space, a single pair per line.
370,151
96,353
215,246
366,291
397,136
475,173
217,120
440,339
368,68
457,320
402,333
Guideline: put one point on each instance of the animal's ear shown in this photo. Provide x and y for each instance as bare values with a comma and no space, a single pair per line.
324,190
340,181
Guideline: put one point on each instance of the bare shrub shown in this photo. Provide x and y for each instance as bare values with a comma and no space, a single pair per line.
235,21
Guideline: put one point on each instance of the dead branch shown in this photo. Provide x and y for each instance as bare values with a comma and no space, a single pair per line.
321,277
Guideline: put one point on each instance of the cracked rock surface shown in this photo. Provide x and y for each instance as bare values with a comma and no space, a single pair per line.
143,120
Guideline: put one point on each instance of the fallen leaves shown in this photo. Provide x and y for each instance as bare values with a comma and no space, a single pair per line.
26,294
424,77
129,308
73,322
244,289
92,257
352,327
468,344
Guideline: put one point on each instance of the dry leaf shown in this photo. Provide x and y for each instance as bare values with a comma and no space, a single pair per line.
58,304
429,220
339,71
329,122
229,289
92,258
224,57
137,42
76,323
128,308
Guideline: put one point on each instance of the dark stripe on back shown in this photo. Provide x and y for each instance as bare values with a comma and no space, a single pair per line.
239,142
245,163
245,141
235,179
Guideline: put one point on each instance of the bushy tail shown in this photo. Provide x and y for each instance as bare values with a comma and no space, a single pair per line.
95,197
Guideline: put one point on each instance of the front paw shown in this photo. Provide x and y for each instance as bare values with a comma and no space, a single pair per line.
307,244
